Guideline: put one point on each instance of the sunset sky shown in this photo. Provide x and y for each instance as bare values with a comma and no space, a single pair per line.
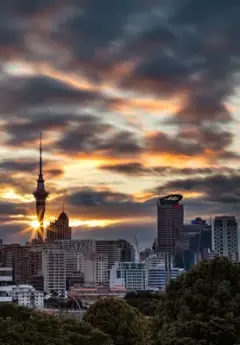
135,99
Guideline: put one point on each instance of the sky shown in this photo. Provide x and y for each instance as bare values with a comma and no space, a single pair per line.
136,99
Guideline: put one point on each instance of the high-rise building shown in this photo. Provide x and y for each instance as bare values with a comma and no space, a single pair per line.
226,237
60,229
40,195
116,250
95,269
170,222
54,270
169,227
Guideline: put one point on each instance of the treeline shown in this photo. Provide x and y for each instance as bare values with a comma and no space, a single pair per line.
201,307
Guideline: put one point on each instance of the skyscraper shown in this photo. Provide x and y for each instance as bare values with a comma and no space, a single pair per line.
170,222
169,227
226,237
60,229
40,195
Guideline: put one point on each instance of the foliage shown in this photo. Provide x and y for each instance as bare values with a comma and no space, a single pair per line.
113,316
202,307
19,325
147,302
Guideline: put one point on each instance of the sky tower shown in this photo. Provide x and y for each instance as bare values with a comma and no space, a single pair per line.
40,195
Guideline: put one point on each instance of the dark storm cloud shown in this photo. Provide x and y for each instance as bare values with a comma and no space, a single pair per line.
90,197
138,169
217,188
17,93
192,142
94,136
29,167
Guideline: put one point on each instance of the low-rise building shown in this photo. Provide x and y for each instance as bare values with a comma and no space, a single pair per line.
27,296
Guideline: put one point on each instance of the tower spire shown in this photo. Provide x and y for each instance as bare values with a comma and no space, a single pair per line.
40,154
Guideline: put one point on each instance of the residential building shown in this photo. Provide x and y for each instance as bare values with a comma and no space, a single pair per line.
226,237
95,269
27,296
54,270
6,278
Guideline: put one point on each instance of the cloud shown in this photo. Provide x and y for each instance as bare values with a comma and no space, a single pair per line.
97,137
138,169
217,188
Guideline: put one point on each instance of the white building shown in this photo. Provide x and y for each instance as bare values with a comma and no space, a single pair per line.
226,237
156,277
5,281
54,270
131,275
95,269
27,296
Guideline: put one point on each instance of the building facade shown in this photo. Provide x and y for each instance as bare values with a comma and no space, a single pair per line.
95,269
54,270
226,237
60,229
132,274
6,278
27,296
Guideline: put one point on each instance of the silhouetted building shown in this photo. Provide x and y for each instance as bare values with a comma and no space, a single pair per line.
40,195
170,222
60,229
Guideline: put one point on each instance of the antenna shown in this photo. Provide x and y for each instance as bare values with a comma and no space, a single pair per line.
40,154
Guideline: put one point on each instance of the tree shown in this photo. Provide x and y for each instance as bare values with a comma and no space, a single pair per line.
113,316
19,325
202,307
146,302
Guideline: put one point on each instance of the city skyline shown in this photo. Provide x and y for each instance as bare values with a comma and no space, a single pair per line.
136,100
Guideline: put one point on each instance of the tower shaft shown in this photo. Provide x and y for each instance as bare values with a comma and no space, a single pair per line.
40,195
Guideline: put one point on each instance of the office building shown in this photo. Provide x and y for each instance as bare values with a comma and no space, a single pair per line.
116,250
95,269
156,277
84,246
110,249
54,270
131,275
169,227
60,229
226,237
170,222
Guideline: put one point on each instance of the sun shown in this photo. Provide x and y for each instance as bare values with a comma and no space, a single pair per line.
35,224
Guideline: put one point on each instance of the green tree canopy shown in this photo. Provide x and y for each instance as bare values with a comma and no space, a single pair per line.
125,325
202,307
21,326
146,302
